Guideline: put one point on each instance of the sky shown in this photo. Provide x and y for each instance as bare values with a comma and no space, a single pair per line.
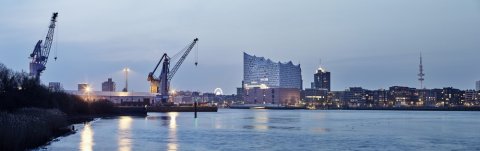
369,43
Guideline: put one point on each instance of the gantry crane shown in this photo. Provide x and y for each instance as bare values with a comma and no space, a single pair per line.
41,51
161,85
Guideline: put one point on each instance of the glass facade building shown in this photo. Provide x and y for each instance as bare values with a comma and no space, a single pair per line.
261,72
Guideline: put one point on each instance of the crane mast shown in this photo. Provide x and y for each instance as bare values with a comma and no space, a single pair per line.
40,53
161,85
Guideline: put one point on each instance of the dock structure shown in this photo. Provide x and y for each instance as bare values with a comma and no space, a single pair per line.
117,98
265,106
182,109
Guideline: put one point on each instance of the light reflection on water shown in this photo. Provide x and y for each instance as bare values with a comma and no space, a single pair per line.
86,143
261,120
172,132
124,133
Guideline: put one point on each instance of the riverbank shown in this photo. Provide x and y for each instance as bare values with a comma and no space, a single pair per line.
31,127
114,112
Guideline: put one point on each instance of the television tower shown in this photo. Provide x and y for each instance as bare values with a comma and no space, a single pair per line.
421,74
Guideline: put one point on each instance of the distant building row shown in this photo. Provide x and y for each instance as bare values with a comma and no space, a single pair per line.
395,96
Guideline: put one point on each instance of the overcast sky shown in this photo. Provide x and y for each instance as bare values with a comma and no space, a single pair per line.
369,43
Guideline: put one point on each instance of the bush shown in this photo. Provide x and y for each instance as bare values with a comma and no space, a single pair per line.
29,127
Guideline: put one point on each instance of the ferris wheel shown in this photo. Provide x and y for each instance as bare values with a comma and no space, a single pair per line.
218,91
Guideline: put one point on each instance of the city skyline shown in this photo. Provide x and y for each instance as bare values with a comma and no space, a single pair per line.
372,44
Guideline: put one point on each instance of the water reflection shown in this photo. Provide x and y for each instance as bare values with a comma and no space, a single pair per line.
124,133
217,121
261,120
86,143
173,120
320,130
172,131
196,122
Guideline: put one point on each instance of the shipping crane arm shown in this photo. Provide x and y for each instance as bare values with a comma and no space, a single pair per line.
49,37
180,61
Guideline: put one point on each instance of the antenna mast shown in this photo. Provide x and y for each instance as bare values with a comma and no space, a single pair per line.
421,74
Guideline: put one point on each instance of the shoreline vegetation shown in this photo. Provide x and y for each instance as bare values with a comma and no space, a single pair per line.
31,115
31,127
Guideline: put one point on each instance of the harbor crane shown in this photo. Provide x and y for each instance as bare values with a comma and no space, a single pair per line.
41,51
161,85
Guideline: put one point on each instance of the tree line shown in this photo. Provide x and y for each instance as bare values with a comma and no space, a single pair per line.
19,90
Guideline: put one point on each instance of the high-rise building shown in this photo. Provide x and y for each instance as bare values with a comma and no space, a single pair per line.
477,85
322,79
108,85
261,72
54,86
84,87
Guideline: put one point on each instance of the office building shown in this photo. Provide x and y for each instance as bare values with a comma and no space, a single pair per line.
470,96
452,96
477,85
108,85
315,95
54,86
355,96
402,96
322,79
84,87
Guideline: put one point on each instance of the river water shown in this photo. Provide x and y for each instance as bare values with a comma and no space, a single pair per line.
239,129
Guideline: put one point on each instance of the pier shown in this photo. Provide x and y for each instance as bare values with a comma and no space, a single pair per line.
182,109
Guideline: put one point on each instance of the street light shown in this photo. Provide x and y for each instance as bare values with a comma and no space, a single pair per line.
88,89
126,70
173,92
